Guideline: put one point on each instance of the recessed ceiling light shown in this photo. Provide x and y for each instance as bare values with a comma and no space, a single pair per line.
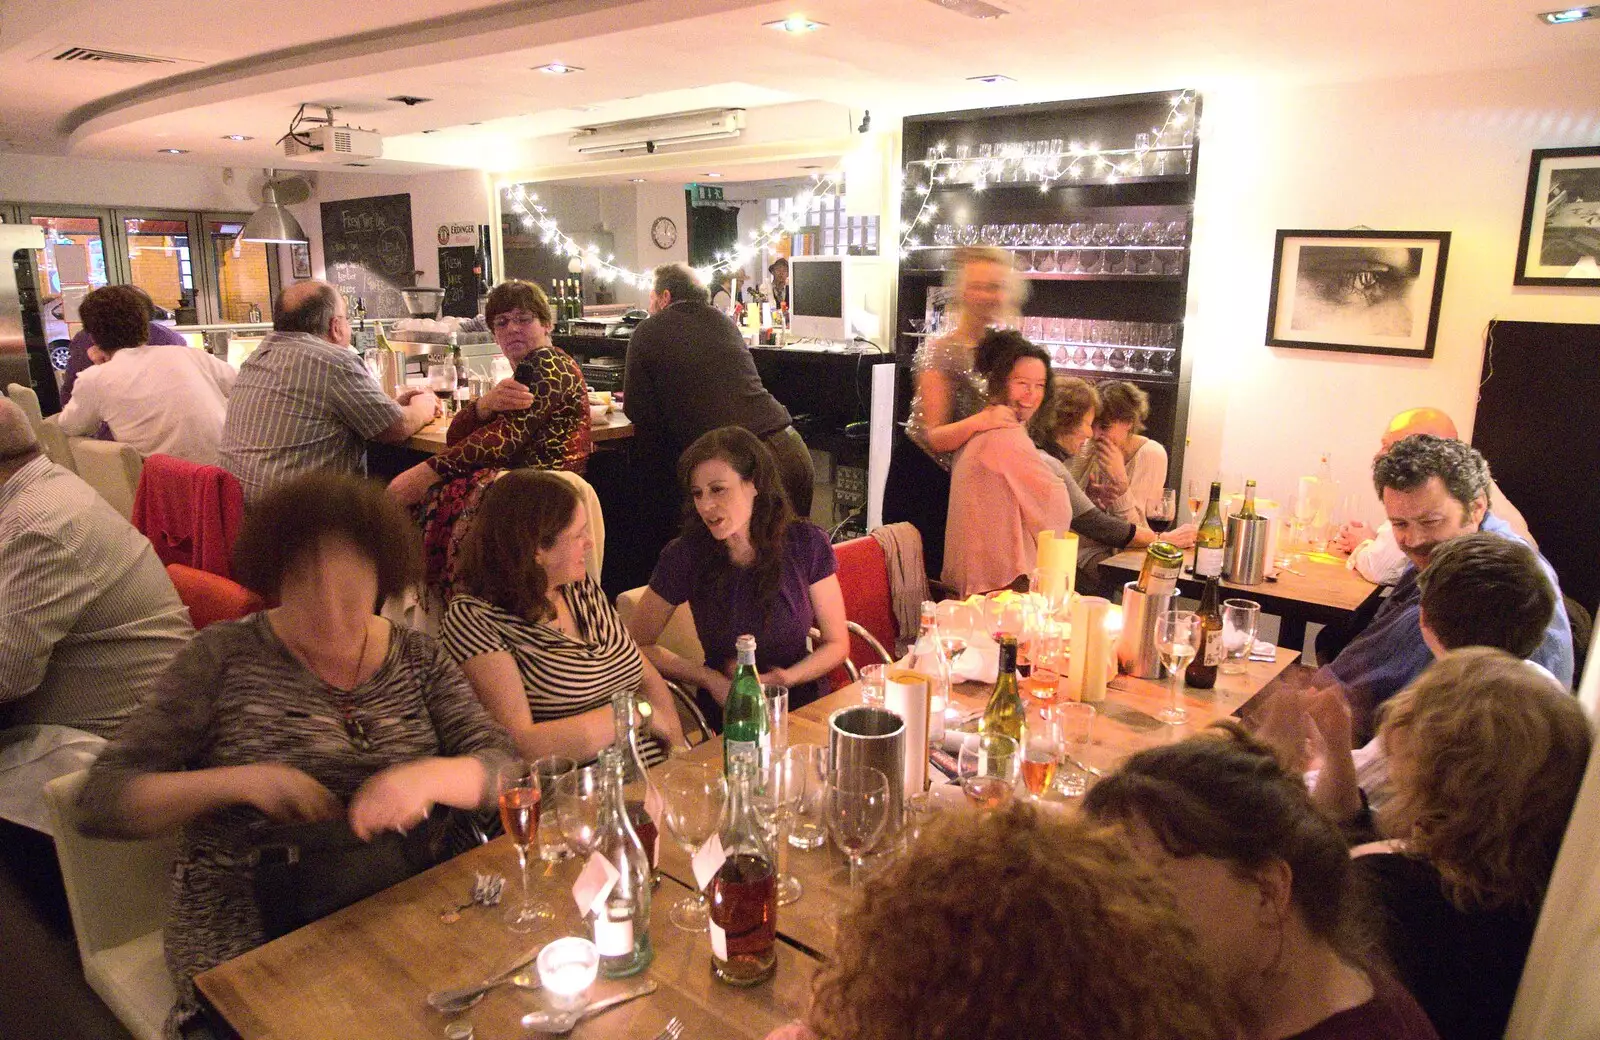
991,79
173,151
1571,14
635,180
795,24
237,137
711,175
556,68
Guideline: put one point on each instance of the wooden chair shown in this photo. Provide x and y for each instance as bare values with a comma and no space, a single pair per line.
211,597
51,439
680,638
117,893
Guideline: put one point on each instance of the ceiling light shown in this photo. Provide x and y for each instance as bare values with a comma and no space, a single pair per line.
272,223
173,151
635,180
1571,14
992,78
556,68
795,24
237,137
711,175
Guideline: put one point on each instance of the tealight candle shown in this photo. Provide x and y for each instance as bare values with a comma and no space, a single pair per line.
567,968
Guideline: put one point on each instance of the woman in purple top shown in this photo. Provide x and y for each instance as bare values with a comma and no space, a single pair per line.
745,565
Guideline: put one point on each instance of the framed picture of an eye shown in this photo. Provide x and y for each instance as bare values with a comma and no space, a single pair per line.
1366,292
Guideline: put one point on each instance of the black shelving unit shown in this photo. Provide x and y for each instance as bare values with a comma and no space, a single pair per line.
1121,178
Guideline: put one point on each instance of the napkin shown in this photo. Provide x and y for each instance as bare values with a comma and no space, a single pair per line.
1262,650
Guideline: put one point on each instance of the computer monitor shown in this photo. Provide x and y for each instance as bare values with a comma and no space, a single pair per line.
818,294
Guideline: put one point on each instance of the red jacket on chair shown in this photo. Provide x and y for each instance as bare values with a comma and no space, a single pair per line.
190,513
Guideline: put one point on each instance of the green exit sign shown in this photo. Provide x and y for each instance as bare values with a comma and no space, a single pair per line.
705,193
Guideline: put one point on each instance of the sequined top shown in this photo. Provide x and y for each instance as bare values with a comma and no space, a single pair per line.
953,360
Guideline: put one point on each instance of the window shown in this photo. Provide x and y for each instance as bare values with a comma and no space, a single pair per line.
826,230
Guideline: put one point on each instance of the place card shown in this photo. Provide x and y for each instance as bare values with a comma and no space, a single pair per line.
594,884
708,859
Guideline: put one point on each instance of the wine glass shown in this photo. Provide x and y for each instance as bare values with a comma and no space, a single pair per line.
780,784
1042,754
1177,636
808,773
1191,491
696,795
988,769
1160,513
578,798
858,812
777,698
517,787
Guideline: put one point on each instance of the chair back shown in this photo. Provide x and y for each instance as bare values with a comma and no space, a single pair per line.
863,571
191,513
211,597
678,636
51,439
110,468
597,520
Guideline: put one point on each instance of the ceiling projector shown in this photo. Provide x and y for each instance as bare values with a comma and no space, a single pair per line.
333,144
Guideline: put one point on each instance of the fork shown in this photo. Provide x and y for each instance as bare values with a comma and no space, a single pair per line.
671,1031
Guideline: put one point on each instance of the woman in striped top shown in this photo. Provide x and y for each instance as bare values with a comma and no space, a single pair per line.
313,710
543,647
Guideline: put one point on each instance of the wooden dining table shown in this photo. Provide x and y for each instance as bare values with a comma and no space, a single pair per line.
365,971
610,430
1318,588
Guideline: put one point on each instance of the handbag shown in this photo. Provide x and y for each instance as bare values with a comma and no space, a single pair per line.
306,871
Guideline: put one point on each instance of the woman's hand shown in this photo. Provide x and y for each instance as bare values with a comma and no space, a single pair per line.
508,395
411,487
286,794
396,799
777,677
1112,464
718,685
1183,537
995,417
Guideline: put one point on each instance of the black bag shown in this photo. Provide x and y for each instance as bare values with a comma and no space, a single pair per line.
306,871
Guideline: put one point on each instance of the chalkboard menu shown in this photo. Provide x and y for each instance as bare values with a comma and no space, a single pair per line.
458,277
366,246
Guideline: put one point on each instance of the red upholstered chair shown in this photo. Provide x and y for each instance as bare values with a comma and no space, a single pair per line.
211,597
868,605
190,513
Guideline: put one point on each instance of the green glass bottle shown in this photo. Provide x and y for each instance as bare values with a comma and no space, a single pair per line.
1004,713
1212,538
744,716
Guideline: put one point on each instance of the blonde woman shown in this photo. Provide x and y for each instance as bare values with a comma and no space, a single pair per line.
950,405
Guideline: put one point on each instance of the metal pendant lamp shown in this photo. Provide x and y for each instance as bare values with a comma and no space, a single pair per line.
272,222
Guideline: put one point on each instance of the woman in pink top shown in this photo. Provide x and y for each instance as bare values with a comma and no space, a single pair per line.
1001,492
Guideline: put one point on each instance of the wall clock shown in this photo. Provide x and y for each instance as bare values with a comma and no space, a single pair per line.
664,233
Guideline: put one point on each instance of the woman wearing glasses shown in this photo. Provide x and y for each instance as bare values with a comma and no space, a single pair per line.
543,424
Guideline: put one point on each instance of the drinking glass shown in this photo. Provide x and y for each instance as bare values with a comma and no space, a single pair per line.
944,235
551,768
1160,513
517,785
807,770
858,812
777,716
1240,620
1191,490
578,798
1042,755
988,766
1177,636
775,794
874,685
695,795
1075,722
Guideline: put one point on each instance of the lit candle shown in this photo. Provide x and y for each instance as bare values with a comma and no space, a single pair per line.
567,968
1089,666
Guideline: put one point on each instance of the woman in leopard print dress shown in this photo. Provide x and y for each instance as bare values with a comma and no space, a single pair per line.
544,425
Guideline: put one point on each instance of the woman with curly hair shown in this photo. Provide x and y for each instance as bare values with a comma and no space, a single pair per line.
1016,923
1486,754
1121,469
1264,880
744,564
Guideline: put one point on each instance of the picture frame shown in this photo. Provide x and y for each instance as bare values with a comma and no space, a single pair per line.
300,254
1364,292
1560,240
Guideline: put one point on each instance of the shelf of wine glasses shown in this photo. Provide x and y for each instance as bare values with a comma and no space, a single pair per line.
1061,276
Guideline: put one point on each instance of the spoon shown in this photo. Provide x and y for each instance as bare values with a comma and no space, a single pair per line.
452,1001
559,1023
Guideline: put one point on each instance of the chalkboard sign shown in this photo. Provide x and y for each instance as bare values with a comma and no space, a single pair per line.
458,277
366,246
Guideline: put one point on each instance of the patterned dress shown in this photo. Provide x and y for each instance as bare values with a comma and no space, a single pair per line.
953,360
552,434
237,696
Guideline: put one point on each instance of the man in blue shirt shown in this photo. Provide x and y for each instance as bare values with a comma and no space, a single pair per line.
1433,490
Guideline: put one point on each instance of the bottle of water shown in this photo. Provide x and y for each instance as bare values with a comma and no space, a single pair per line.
928,658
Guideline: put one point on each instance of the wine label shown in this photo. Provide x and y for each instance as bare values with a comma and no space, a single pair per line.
1213,653
594,884
708,860
719,941
1208,563
613,938
749,749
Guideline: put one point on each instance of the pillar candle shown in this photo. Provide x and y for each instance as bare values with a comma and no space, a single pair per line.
906,693
1089,667
1057,562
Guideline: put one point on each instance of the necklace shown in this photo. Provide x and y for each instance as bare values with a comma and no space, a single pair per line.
342,702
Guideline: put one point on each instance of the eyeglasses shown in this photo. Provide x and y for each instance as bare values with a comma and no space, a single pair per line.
506,321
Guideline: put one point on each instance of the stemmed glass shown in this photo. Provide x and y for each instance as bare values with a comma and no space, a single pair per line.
517,786
1160,514
1177,636
780,786
988,769
696,795
578,798
858,812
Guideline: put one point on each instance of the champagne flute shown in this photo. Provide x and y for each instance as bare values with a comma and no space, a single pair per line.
1177,635
1160,514
1191,491
858,812
696,795
987,767
517,787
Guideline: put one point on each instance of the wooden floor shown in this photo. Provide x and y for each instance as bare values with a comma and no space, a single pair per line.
42,991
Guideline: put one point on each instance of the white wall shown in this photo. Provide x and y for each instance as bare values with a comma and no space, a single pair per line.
154,185
651,202
1444,153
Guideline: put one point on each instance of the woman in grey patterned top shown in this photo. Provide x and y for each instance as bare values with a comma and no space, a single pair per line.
312,710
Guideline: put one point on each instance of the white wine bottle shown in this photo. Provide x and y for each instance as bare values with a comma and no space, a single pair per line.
1211,540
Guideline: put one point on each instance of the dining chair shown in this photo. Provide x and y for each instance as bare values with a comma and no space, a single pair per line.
211,597
117,894
863,571
51,438
110,468
679,637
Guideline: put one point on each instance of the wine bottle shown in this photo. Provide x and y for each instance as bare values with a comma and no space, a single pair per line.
928,659
743,894
622,926
1163,562
744,716
1004,713
1248,510
642,800
1202,671
1211,539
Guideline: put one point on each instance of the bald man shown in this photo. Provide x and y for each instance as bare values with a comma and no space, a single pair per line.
305,401
1374,554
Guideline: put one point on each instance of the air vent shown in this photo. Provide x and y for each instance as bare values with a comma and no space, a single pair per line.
117,57
972,8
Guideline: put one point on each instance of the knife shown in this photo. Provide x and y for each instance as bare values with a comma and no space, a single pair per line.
641,988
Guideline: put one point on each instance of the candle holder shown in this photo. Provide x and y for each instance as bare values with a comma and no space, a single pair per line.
567,968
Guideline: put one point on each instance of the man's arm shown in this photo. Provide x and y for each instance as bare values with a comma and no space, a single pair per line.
41,599
417,409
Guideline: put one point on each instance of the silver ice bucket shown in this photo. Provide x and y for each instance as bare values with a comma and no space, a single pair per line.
1244,561
870,736
1138,653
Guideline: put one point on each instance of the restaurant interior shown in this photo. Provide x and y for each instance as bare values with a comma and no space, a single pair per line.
1156,172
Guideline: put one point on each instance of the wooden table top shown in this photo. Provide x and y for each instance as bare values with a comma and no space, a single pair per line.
615,426
1325,582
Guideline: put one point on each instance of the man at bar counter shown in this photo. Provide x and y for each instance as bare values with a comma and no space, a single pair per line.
688,372
1433,489
305,401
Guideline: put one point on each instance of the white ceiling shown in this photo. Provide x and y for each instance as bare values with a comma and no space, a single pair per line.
244,66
